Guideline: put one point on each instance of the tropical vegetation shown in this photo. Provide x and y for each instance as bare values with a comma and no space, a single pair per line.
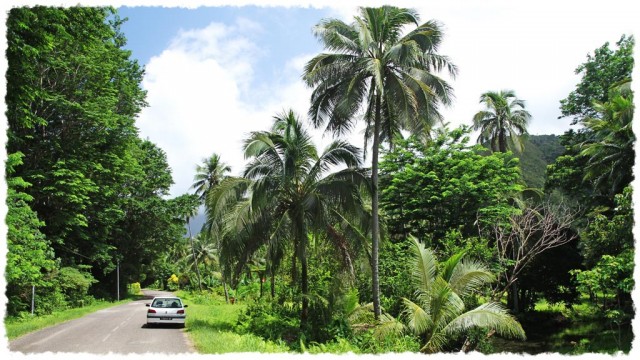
437,245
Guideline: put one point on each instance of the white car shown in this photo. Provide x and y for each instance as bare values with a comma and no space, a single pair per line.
166,310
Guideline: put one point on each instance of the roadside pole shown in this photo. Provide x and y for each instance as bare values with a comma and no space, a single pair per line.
33,298
118,279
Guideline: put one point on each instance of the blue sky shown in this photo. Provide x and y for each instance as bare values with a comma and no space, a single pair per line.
214,73
287,31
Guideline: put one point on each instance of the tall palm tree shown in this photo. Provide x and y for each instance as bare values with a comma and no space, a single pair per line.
439,314
610,149
208,175
503,122
375,71
290,192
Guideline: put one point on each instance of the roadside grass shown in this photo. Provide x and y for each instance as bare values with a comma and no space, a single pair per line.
17,327
210,326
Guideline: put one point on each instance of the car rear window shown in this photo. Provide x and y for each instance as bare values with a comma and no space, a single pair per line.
167,303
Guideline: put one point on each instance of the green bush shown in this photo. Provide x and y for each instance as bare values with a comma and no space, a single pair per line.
370,344
136,289
271,321
338,346
75,283
172,282
49,299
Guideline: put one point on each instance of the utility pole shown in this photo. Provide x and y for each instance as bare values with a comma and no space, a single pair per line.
33,298
118,278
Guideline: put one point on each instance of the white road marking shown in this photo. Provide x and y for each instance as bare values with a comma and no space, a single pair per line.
116,328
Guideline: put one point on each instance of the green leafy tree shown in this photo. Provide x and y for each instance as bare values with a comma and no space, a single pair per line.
429,190
29,256
503,122
440,314
601,73
150,219
601,70
609,235
72,94
390,77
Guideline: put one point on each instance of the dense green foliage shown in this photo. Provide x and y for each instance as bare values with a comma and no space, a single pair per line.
429,190
595,174
601,70
29,256
439,312
83,188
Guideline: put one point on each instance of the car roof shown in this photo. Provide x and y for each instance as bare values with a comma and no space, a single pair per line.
166,297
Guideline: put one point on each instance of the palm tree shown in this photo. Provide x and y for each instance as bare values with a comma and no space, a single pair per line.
203,252
374,70
187,206
439,313
208,175
289,194
610,150
503,121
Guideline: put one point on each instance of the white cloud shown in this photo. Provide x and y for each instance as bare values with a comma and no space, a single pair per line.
200,100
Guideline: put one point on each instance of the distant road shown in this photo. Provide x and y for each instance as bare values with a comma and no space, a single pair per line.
120,329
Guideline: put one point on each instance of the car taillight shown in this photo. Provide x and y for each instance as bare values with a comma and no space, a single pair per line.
180,311
151,311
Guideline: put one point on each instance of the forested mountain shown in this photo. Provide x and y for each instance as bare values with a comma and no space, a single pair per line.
539,151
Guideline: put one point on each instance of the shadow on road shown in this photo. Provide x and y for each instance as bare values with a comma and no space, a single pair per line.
161,326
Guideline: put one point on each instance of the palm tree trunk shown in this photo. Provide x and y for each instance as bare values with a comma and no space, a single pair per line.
305,285
226,292
273,285
193,251
261,284
294,265
503,141
375,228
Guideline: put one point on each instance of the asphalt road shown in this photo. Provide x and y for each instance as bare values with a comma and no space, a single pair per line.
121,329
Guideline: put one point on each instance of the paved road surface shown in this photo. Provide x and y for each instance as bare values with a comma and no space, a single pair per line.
121,329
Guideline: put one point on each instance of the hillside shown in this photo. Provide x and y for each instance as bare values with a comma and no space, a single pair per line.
539,151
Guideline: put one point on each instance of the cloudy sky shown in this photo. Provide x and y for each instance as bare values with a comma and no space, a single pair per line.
217,72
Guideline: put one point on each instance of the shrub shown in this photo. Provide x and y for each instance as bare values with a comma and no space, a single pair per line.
75,283
136,289
172,282
271,321
368,343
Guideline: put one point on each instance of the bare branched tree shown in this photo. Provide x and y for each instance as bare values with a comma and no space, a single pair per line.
526,236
